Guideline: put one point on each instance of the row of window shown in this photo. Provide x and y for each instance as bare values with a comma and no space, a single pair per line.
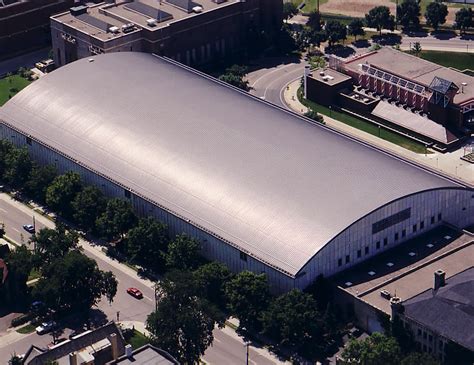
396,238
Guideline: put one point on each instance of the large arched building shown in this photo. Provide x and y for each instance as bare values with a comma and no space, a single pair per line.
262,189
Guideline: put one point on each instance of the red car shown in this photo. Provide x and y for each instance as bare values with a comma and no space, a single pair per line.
134,292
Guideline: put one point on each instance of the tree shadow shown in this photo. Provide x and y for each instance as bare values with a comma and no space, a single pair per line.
444,34
419,32
361,43
467,36
389,39
340,50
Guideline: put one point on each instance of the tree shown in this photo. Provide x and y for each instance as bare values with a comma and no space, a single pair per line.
62,192
314,115
248,296
87,206
463,19
335,31
211,280
380,18
408,14
14,292
234,75
18,166
289,9
183,253
74,283
435,14
314,21
147,242
39,180
416,49
373,350
52,244
117,219
416,358
5,148
356,28
293,320
183,322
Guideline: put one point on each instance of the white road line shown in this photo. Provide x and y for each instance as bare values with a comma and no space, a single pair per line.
151,300
282,91
269,73
275,80
16,230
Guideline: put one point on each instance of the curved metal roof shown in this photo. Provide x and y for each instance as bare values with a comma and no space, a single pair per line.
267,181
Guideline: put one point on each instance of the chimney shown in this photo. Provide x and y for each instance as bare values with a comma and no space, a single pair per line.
128,351
72,358
439,279
396,306
114,344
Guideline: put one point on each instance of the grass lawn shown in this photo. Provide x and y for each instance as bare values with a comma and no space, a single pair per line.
364,126
29,328
459,60
138,340
310,4
9,86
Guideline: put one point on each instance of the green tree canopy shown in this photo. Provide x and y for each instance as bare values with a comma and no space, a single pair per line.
74,284
247,297
435,14
464,19
380,18
212,279
147,242
289,9
314,21
408,14
5,148
356,28
52,244
39,180
183,253
183,322
18,167
235,75
373,350
335,31
416,358
117,219
293,320
87,206
62,192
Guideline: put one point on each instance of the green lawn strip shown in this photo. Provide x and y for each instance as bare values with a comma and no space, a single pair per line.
364,126
138,340
310,5
10,85
458,60
29,328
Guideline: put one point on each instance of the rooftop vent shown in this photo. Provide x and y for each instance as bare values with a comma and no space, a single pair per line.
114,29
128,351
151,22
78,10
439,279
127,28
197,9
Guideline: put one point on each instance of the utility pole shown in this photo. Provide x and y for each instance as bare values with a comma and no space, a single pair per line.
318,5
248,343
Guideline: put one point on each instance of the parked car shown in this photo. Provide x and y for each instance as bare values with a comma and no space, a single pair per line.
29,228
45,327
134,292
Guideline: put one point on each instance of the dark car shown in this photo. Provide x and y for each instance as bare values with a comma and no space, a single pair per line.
29,228
134,292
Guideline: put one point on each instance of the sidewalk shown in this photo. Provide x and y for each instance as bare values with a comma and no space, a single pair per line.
448,163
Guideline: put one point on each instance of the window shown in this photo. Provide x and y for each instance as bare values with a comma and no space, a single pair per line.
359,253
243,256
404,233
348,259
419,332
366,250
430,338
392,220
377,245
414,228
439,217
422,224
28,141
339,262
385,241
425,335
433,219
396,236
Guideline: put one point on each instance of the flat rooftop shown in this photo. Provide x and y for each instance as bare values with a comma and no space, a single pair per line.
329,76
415,69
408,269
135,12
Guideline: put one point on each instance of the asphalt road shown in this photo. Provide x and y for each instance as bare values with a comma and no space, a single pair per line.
454,44
26,60
268,82
228,347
